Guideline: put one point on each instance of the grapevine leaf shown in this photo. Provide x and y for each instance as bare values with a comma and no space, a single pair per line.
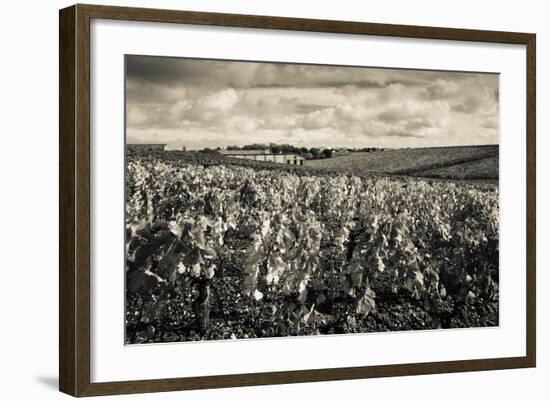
366,303
275,268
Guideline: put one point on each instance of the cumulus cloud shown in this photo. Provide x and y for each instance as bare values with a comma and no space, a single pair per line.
440,89
244,124
490,122
468,105
319,119
222,100
200,103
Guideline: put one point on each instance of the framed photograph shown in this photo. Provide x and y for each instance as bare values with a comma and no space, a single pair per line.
249,200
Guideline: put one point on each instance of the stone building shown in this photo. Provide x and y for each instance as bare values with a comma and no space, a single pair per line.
265,155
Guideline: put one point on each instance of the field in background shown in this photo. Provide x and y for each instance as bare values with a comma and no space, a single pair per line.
468,164
457,162
486,168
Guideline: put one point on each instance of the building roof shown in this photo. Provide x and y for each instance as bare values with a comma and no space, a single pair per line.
254,153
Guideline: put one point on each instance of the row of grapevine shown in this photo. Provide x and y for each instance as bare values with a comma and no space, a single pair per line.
305,241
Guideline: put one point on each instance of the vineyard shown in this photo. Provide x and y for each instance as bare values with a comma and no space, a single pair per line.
224,251
454,162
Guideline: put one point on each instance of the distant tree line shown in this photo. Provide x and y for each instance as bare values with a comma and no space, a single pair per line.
306,153
366,150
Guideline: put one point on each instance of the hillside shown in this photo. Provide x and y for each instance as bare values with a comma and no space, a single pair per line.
486,168
457,162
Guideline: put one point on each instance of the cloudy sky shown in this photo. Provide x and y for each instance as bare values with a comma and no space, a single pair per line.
207,103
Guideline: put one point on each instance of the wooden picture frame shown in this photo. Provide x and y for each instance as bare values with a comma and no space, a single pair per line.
74,202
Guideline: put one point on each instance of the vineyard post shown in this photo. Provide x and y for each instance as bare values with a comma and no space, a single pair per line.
201,305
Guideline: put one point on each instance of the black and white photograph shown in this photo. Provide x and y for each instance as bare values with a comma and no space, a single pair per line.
271,199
